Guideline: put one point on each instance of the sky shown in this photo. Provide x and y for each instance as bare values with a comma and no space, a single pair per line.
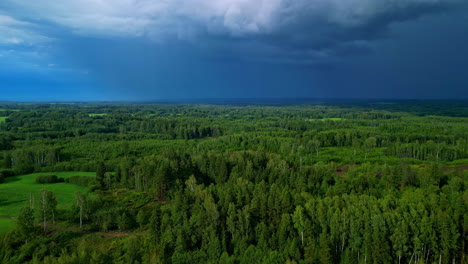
159,50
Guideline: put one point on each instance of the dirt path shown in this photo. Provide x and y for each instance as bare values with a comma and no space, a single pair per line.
77,229
457,167
118,234
102,234
9,218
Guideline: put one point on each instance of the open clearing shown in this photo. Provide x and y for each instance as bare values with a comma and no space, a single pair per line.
6,225
3,118
94,115
325,119
15,192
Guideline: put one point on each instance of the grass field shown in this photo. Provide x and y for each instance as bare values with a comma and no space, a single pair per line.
332,119
93,115
329,118
6,225
15,192
3,118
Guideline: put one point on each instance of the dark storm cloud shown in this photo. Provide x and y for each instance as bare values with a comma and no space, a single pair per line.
150,49
300,24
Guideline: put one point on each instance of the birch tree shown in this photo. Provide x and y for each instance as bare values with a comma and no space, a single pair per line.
47,207
298,219
81,201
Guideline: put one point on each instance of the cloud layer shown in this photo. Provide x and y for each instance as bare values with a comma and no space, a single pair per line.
15,32
307,22
234,47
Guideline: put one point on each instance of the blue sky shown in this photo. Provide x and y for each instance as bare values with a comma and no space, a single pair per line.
193,49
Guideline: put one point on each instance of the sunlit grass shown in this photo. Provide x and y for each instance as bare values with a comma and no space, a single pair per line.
325,119
16,191
6,225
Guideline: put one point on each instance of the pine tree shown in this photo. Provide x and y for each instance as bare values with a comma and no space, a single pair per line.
100,173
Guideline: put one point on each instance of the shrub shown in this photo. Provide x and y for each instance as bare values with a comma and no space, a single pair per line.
79,180
44,179
7,173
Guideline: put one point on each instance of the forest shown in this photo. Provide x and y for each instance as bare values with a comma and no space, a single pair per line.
304,182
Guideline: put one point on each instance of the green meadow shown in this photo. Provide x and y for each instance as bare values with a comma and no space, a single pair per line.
332,119
15,193
94,115
6,225
325,119
3,118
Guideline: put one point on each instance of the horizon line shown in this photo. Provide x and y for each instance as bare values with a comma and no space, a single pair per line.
234,100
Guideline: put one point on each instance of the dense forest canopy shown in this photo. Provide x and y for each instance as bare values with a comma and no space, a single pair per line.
322,182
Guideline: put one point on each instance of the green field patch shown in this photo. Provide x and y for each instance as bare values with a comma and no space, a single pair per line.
332,119
6,225
15,193
3,118
325,119
94,115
